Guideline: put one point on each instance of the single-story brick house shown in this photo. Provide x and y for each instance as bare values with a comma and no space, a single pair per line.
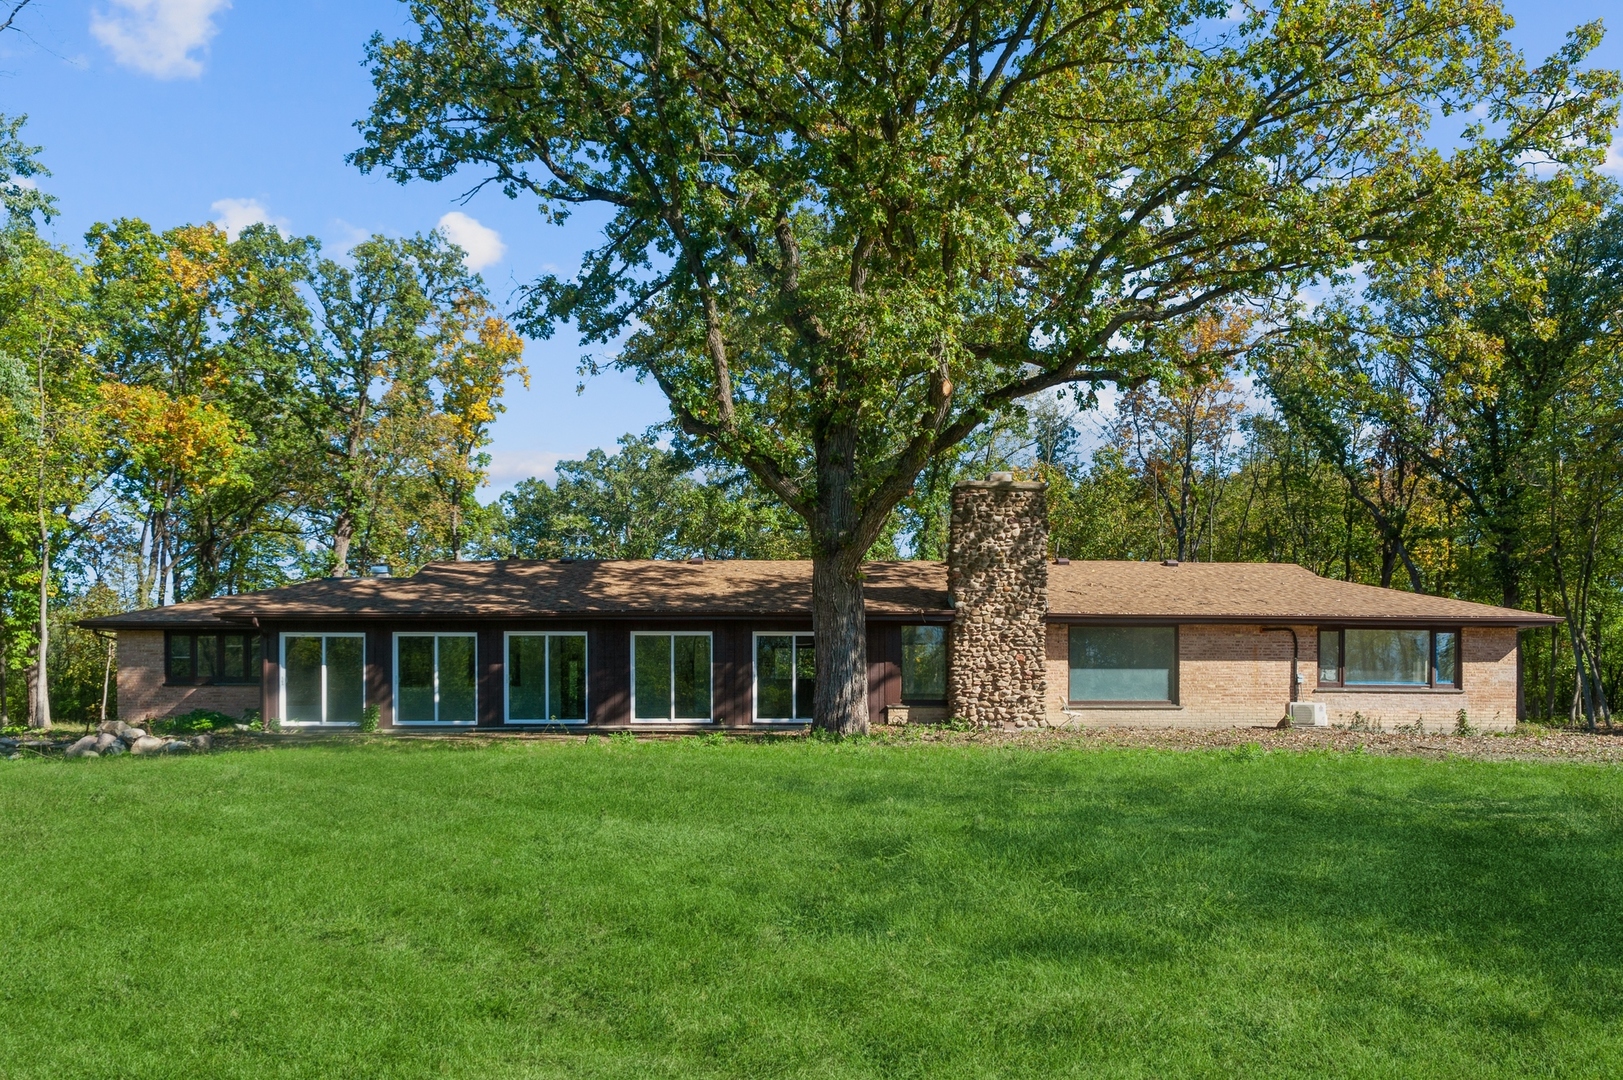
1000,633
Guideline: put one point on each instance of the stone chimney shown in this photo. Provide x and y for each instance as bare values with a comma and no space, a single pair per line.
997,581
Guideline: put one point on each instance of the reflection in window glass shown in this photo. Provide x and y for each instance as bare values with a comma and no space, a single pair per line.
527,677
456,678
1123,663
651,677
414,680
775,677
180,656
566,677
1448,658
234,648
924,663
546,678
346,679
670,676
1329,656
208,653
302,661
691,671
1388,657
785,676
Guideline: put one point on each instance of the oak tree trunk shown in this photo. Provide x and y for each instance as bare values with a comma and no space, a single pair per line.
840,625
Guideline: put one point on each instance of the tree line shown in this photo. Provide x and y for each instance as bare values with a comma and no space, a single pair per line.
861,250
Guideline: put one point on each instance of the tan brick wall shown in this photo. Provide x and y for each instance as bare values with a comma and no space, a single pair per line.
1238,676
143,696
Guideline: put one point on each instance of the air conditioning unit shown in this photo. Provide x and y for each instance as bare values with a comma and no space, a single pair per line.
1309,714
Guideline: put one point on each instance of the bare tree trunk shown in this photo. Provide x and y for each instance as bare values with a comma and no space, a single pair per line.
5,680
40,715
106,679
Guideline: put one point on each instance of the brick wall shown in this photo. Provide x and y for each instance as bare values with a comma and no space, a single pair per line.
1487,690
997,581
142,694
1237,676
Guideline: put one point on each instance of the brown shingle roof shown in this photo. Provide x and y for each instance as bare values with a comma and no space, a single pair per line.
520,588
1253,592
1194,592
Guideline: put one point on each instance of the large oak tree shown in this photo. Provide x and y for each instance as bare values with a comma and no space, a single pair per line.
841,235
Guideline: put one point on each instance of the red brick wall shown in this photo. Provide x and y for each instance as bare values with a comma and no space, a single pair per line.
1232,676
143,696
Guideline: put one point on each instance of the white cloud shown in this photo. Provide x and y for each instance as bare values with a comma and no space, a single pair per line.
508,467
1614,158
158,36
481,244
235,215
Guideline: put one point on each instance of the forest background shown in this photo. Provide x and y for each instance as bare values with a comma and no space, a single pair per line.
185,413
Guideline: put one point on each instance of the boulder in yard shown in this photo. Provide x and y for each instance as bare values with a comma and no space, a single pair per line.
146,744
177,746
202,742
133,734
113,727
85,747
104,740
114,749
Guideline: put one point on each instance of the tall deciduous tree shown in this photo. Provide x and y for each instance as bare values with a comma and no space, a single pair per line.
843,235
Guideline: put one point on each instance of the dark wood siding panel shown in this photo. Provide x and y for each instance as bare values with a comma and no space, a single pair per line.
380,674
608,662
491,666
269,675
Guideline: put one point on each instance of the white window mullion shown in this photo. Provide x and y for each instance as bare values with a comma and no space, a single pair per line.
436,640
324,679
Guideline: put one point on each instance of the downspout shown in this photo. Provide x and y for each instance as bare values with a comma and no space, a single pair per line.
1296,654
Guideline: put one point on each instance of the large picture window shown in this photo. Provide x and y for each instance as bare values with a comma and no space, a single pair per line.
924,664
546,678
1128,664
198,658
1389,658
435,679
670,677
785,677
323,678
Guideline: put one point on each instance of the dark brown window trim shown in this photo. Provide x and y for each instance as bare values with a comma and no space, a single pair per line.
252,652
1432,686
1175,702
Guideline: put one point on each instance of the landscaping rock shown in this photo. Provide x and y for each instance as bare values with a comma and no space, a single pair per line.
8,744
114,749
104,740
202,742
133,734
37,744
177,746
146,744
113,727
85,747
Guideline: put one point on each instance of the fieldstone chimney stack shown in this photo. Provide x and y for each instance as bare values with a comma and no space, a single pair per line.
997,581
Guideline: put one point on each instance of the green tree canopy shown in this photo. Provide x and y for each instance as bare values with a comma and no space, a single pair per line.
842,236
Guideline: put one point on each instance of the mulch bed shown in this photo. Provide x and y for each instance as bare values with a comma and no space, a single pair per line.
1527,743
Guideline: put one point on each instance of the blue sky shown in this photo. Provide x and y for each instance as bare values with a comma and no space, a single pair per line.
235,110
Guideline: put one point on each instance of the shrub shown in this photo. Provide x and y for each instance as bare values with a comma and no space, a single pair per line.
195,722
369,718
1462,724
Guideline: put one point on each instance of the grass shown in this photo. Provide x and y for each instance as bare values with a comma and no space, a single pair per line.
808,910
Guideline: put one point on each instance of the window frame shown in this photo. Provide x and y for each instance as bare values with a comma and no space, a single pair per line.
281,677
1431,686
1174,674
252,641
901,661
794,637
507,685
673,635
395,678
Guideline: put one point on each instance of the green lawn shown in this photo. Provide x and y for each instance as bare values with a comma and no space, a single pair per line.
808,910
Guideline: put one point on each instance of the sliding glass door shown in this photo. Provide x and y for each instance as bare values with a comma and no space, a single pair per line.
323,678
435,679
546,678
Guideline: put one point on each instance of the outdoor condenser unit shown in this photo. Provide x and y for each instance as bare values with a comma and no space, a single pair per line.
1309,714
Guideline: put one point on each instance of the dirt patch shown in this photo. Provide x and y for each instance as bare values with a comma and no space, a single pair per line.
1525,744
